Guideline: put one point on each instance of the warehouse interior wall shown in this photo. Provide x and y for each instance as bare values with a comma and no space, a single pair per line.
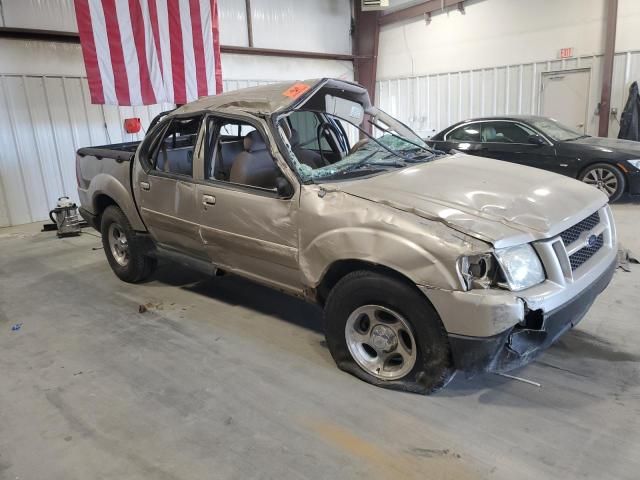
489,60
45,99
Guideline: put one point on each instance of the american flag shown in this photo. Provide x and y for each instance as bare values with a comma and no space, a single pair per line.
142,52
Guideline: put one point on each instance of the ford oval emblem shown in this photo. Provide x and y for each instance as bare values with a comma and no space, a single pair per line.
592,240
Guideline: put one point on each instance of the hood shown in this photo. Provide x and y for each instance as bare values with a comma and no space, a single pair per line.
607,145
498,202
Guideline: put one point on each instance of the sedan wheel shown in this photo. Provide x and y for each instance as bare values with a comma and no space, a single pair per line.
606,178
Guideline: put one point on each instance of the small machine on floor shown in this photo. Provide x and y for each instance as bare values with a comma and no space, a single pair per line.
66,218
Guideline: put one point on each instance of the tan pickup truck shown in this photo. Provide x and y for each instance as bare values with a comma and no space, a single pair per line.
425,263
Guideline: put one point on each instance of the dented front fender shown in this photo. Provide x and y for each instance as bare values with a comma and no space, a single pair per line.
339,226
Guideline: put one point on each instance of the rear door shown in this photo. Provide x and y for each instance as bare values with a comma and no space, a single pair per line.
164,186
509,141
247,226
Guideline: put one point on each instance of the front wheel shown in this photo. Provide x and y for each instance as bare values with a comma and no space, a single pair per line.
606,178
123,249
386,333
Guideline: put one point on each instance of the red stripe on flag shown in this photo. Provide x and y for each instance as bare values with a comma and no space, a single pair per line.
85,29
216,45
177,53
137,25
153,14
198,47
120,76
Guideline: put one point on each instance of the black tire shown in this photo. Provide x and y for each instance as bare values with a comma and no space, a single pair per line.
593,173
433,365
139,266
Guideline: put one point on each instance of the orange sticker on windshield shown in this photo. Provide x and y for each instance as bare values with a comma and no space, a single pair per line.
295,90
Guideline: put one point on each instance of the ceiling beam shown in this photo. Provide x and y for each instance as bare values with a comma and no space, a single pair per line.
420,10
72,37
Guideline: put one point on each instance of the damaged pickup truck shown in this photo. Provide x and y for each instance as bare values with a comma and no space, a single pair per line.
425,263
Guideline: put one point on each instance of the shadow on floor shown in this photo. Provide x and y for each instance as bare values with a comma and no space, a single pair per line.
581,344
234,290
628,199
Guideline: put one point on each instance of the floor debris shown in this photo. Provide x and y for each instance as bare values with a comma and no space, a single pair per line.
625,259
520,379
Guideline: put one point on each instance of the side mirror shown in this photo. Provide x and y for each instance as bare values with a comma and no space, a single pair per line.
536,140
283,187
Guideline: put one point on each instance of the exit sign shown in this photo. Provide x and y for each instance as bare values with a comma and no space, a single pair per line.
566,52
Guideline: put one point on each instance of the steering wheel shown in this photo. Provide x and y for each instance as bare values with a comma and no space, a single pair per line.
325,129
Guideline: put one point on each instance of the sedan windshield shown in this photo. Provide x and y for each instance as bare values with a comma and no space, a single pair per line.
554,129
327,147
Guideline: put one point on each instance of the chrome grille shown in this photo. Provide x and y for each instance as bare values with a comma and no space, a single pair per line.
571,234
584,254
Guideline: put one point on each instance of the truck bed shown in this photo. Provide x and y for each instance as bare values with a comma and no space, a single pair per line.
120,152
104,175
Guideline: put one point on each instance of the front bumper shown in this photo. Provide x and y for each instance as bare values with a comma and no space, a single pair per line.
520,345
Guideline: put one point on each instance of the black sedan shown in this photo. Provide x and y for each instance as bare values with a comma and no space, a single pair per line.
609,164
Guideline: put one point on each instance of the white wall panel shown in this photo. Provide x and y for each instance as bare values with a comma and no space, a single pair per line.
502,32
310,25
232,16
56,15
430,103
283,68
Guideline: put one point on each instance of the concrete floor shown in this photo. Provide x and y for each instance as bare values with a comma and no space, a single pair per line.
222,378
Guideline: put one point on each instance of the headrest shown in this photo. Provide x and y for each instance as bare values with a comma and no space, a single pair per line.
294,139
253,141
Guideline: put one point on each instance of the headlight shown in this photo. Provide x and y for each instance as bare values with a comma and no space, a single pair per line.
521,266
477,271
635,163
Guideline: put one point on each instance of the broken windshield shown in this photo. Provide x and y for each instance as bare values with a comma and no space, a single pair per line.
345,141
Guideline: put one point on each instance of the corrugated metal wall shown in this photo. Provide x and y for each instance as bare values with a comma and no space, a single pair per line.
432,102
316,26
45,120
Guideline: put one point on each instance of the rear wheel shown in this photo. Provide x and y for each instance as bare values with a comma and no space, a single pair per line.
385,332
123,248
606,178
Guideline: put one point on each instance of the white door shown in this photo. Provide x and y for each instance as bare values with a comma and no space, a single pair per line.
565,96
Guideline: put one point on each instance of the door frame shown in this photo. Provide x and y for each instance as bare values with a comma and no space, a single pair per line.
544,75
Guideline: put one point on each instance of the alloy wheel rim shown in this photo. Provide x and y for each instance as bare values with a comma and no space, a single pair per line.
603,179
381,342
118,244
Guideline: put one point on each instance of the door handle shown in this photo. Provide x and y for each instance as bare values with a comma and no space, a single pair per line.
208,200
145,186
